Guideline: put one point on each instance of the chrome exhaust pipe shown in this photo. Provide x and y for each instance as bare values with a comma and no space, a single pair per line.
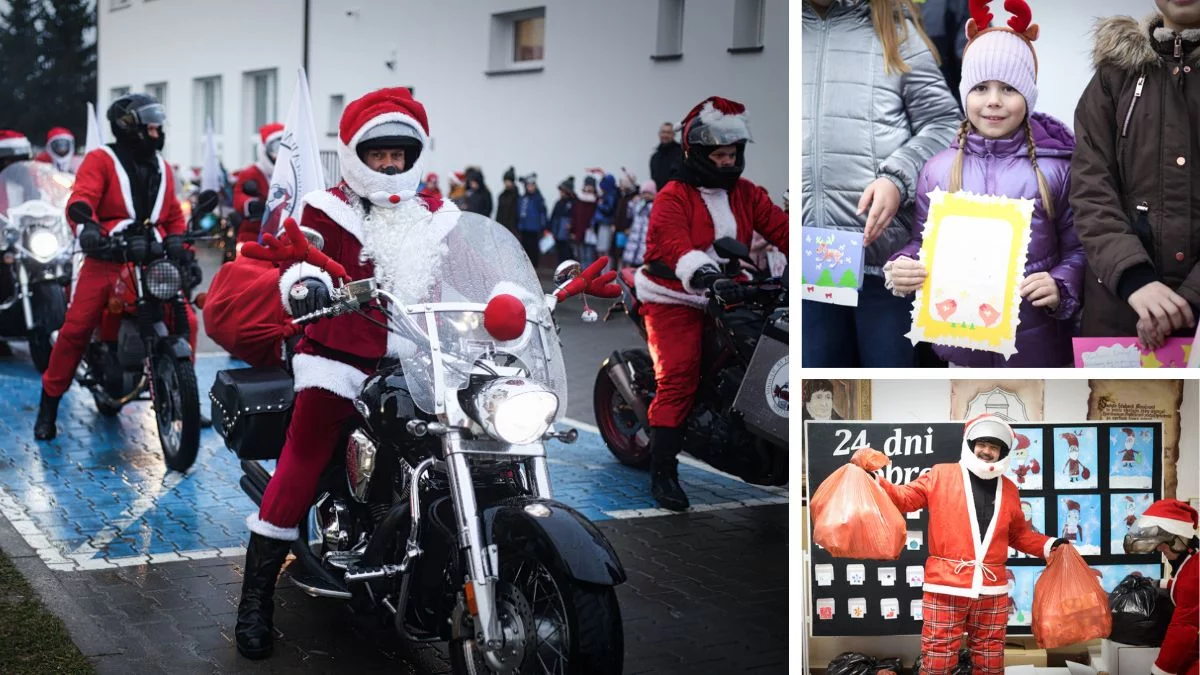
618,372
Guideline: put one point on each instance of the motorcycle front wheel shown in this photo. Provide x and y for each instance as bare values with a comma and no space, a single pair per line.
566,626
39,348
176,401
615,418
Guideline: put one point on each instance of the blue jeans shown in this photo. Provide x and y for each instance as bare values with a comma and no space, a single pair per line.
868,336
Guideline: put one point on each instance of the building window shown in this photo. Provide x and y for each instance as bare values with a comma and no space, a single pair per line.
669,44
116,93
259,93
119,4
518,41
206,95
337,103
747,26
159,91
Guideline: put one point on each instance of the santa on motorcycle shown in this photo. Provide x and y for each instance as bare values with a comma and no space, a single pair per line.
250,191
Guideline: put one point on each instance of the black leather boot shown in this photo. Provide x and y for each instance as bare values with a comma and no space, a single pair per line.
665,444
254,631
46,427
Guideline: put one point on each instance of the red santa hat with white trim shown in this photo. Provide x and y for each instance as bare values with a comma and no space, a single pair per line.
1072,441
269,136
715,121
389,113
14,144
59,132
1171,515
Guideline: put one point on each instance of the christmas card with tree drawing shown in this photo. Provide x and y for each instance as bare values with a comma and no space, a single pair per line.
832,265
974,250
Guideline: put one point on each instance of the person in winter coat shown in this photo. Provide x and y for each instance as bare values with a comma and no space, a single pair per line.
560,219
506,203
1006,149
581,223
944,22
1135,176
666,157
479,197
628,186
974,516
869,125
430,187
605,215
531,218
639,215
1168,527
119,184
374,225
458,189
258,174
60,150
709,200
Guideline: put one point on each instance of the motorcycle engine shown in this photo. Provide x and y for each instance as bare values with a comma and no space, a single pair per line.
331,528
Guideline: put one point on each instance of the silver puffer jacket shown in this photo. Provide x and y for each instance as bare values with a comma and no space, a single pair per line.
861,124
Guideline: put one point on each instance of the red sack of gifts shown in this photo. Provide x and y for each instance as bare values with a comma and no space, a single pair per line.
853,517
243,312
1069,605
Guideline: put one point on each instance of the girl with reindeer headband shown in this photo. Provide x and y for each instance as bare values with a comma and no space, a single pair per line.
1004,148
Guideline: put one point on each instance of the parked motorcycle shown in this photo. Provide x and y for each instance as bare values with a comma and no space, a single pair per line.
738,423
36,270
141,350
438,514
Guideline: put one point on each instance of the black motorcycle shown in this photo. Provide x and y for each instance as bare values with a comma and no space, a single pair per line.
438,515
36,270
738,423
141,351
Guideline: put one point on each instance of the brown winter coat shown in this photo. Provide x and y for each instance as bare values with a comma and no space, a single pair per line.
1147,155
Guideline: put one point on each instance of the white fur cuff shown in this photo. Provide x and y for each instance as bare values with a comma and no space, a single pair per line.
294,274
687,266
262,527
649,290
318,372
1046,548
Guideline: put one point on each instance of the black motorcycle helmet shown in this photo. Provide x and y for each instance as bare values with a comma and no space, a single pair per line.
130,118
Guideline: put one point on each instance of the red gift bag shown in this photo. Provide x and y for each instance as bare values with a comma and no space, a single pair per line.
853,517
243,312
1069,605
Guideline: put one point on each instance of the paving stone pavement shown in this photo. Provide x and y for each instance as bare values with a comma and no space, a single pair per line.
145,564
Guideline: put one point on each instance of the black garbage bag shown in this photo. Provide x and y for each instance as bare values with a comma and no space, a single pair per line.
892,665
963,667
851,663
1141,612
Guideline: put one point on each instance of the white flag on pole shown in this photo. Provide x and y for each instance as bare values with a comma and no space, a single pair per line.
298,163
210,171
95,132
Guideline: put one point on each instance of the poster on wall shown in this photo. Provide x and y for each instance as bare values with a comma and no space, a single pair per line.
870,597
1010,400
1143,400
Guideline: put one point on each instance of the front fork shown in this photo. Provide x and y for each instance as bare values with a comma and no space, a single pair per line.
483,562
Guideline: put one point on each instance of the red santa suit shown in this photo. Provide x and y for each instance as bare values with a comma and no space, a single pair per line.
1180,650
103,184
259,172
68,163
685,222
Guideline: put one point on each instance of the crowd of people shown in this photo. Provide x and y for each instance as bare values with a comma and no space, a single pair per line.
1114,248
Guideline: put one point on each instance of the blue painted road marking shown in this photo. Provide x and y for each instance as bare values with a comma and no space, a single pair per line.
100,496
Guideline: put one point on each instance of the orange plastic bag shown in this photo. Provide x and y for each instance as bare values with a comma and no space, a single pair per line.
853,517
1069,605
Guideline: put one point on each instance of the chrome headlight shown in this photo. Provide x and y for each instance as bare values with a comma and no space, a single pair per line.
44,245
360,464
514,410
163,279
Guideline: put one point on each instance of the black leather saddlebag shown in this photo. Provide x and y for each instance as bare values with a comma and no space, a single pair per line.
251,410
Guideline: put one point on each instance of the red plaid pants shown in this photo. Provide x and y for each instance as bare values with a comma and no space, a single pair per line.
946,617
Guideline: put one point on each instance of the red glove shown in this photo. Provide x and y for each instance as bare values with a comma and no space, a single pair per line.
292,247
592,282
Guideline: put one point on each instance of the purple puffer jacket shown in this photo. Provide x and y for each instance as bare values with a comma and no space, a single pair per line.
1002,167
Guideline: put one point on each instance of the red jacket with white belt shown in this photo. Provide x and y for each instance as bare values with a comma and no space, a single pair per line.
961,562
1181,646
103,185
687,220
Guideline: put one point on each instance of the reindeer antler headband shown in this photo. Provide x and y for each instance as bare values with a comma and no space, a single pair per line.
1021,23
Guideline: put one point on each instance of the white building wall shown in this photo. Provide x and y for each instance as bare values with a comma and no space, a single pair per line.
597,102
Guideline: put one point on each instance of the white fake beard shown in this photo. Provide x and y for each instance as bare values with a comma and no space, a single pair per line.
985,470
405,249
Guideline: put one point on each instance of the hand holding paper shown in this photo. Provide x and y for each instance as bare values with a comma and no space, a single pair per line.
907,274
883,198
1041,290
1169,310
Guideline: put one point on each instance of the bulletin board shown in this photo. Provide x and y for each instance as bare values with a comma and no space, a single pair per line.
1090,498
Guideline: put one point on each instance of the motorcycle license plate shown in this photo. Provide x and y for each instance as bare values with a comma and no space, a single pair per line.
763,397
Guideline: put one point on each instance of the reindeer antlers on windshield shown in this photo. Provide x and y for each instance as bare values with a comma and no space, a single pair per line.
292,247
592,282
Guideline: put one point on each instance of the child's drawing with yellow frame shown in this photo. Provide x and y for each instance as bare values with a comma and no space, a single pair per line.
988,326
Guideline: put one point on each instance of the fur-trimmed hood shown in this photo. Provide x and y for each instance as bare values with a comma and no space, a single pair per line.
1129,44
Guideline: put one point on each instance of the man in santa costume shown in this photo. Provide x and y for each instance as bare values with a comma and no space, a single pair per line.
375,225
60,150
251,207
974,516
707,200
1168,526
120,186
1129,455
1074,468
1021,464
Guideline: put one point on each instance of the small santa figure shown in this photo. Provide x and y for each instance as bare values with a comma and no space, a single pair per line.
1129,455
1072,530
1021,464
1027,509
1131,514
1074,468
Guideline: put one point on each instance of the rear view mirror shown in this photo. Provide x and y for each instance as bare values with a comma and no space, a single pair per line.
314,238
731,249
250,188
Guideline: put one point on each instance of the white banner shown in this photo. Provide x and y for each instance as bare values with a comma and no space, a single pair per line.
298,163
210,170
95,131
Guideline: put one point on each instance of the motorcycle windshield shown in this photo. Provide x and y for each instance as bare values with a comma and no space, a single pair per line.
26,181
465,260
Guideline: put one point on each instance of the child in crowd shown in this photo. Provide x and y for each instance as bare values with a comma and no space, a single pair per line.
869,125
560,219
1006,149
639,217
